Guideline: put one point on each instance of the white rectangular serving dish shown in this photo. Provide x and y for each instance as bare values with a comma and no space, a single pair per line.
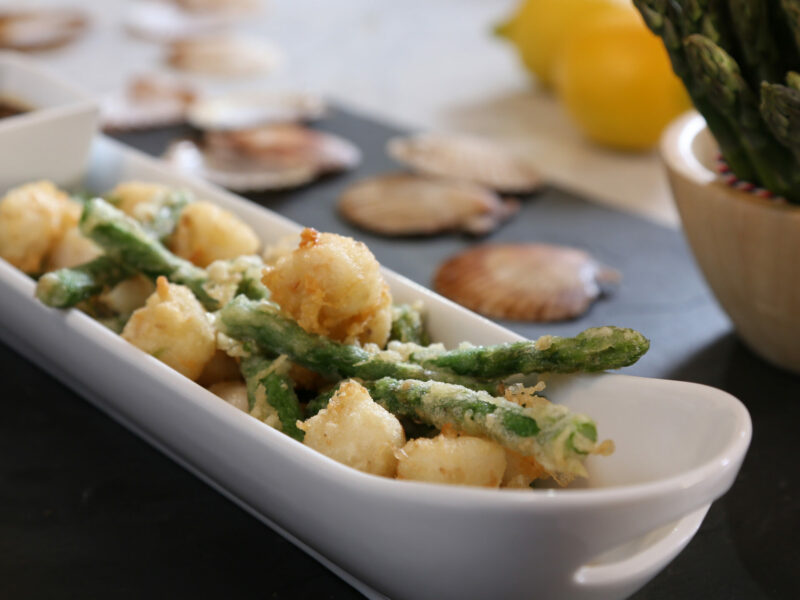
679,447
50,141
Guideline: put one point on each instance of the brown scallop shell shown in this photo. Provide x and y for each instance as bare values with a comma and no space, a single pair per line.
223,55
148,102
407,204
524,282
264,158
40,29
465,157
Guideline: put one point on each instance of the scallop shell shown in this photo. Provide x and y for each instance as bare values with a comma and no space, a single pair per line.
251,109
266,158
526,282
147,103
465,157
40,29
161,21
223,55
407,204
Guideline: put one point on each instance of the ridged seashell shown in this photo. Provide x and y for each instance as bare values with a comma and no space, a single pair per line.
40,29
250,109
223,55
465,157
161,21
525,282
265,158
148,102
407,204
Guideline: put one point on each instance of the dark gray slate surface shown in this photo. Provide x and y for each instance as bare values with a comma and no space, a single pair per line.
89,510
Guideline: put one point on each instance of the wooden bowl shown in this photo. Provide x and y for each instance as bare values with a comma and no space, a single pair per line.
748,247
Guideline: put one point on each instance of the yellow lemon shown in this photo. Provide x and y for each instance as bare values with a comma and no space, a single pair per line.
615,80
539,28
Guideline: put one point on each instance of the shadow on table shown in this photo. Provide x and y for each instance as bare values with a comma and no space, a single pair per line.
757,522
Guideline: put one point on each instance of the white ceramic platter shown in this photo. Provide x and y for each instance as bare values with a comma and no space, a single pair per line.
679,447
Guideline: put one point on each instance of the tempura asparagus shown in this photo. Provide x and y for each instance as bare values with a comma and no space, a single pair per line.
408,325
595,349
67,287
261,323
267,385
558,439
126,241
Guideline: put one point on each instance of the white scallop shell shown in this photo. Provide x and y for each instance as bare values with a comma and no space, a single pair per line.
408,204
41,28
160,21
264,158
249,109
148,102
224,55
465,157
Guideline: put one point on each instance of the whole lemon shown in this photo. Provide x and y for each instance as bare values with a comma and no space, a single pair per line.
539,28
615,79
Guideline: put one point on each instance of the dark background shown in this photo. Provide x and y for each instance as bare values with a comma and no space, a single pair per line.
88,510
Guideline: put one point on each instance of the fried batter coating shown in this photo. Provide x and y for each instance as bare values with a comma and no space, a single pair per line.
128,295
173,327
138,199
356,431
33,219
521,471
71,250
233,392
206,232
457,460
332,285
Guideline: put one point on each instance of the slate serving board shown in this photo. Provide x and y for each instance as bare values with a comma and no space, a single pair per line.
89,510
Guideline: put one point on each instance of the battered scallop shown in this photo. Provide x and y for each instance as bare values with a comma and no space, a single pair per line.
332,285
33,219
206,233
356,431
462,460
173,327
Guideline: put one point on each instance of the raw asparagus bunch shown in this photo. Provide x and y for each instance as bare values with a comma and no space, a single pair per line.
729,55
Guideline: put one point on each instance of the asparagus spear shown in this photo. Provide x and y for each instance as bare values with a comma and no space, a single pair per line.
268,387
126,241
164,221
728,91
261,323
557,439
67,287
780,107
791,9
408,325
793,80
595,349
659,16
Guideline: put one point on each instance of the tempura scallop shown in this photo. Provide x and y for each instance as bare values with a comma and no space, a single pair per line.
173,327
332,285
33,220
356,431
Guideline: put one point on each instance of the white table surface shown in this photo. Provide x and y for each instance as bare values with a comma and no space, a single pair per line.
421,64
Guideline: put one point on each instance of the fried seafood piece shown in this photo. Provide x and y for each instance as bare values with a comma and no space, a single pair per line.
332,286
157,207
33,219
72,250
356,431
206,232
174,328
233,392
457,460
